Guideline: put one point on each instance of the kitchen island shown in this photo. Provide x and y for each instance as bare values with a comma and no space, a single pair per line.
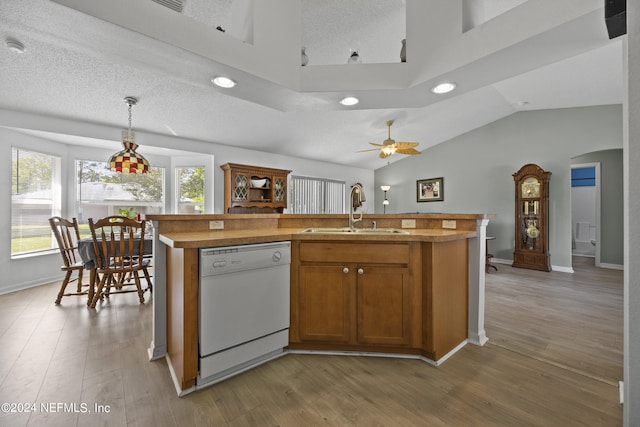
418,293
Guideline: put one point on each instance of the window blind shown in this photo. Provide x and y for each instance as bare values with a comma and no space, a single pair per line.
316,195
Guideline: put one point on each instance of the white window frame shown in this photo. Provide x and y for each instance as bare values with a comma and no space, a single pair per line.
55,200
177,202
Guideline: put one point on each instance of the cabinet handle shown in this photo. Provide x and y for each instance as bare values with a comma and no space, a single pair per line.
345,270
360,271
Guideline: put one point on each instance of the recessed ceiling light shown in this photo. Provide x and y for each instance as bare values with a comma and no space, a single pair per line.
224,82
443,88
15,46
523,103
349,100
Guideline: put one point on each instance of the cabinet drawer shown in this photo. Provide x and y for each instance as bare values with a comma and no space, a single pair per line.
365,252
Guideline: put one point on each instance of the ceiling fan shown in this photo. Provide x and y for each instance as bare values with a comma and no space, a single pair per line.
390,146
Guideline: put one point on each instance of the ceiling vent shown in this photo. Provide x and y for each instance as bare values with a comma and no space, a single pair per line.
176,5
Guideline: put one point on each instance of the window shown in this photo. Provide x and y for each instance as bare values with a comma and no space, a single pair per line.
190,182
35,197
583,177
101,192
316,195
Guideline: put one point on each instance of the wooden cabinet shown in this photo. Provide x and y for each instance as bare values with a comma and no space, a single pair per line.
353,294
325,303
383,305
254,189
532,218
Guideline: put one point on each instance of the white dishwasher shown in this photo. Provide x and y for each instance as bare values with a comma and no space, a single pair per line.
243,307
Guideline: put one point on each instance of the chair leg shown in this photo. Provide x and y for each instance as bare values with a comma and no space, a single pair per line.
136,276
148,278
80,273
98,292
65,282
92,285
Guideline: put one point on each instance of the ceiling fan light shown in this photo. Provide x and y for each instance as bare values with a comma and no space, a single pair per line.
445,87
385,187
224,82
388,150
349,101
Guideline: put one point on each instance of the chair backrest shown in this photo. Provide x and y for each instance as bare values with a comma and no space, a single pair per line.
67,236
118,243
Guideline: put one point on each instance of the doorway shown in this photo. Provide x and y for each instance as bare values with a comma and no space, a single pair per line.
585,210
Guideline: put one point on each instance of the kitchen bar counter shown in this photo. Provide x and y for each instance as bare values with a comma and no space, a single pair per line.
175,294
203,239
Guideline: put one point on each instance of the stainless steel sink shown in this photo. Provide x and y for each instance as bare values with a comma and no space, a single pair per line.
355,231
380,231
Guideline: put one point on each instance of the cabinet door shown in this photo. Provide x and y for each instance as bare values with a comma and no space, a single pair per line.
383,305
324,303
280,190
240,186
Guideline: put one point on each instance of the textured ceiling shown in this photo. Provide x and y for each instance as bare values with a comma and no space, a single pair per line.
76,67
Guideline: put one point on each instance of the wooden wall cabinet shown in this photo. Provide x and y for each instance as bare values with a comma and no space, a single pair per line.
254,189
532,218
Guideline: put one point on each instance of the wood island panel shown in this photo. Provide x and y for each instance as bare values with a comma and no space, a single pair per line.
182,314
445,297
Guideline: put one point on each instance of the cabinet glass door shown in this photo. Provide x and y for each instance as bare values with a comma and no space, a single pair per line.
279,189
241,183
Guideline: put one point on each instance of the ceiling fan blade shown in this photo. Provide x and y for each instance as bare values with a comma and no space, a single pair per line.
373,149
407,151
377,145
384,155
400,145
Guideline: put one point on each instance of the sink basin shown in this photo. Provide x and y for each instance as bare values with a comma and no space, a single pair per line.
356,231
326,230
380,231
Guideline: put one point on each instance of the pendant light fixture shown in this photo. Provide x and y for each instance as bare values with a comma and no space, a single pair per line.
127,160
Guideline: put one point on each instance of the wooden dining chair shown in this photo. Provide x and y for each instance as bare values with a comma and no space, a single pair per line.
118,243
67,236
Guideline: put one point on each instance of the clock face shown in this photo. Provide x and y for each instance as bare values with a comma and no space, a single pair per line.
531,188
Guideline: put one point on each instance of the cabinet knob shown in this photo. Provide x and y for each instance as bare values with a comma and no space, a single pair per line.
360,271
345,270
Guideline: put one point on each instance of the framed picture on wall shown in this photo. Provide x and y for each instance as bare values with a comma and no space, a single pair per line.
431,190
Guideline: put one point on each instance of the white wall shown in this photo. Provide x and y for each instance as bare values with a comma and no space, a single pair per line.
632,218
36,270
478,166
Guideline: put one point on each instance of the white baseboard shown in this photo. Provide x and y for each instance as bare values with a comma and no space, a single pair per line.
621,388
27,285
559,268
611,266
562,269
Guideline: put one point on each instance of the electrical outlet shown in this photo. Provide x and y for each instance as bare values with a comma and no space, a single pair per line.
449,224
408,223
216,225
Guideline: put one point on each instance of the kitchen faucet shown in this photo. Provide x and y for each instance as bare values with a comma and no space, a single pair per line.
356,197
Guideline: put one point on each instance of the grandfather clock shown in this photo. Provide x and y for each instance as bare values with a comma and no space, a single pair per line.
532,218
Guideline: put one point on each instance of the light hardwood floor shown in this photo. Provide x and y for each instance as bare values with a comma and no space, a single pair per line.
553,359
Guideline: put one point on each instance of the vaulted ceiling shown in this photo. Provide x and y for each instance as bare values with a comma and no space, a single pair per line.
82,58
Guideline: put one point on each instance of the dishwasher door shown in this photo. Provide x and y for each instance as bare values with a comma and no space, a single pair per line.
242,306
245,304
